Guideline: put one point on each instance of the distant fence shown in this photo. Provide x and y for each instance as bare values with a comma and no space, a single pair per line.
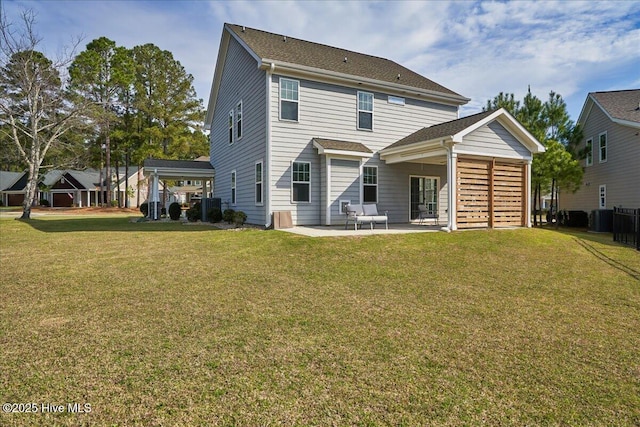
626,226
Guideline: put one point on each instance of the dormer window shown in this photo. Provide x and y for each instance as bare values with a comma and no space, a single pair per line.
365,111
289,99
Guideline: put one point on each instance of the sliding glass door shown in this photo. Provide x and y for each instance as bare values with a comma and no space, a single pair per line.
424,191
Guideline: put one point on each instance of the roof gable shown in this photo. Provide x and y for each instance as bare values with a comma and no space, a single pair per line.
321,62
620,106
455,130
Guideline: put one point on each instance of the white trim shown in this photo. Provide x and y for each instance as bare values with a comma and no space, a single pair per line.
328,191
301,182
358,110
267,176
297,101
606,147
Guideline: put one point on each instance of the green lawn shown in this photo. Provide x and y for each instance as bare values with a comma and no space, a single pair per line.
165,324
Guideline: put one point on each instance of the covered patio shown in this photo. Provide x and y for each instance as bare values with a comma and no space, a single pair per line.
178,170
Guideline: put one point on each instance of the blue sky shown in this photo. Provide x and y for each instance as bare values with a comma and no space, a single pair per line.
474,48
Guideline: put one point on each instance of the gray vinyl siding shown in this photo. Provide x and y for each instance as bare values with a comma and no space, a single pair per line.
492,140
620,173
345,185
330,111
241,81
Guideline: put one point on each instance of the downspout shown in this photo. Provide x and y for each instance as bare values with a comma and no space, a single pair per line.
267,155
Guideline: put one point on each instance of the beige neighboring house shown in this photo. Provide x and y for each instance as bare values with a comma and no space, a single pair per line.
611,124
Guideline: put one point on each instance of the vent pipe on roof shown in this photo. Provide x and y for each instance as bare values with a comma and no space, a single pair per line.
284,38
243,28
345,59
398,77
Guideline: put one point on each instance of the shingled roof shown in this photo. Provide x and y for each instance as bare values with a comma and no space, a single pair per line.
276,47
441,130
620,104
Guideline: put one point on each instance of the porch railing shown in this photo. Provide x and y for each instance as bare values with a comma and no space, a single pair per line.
626,226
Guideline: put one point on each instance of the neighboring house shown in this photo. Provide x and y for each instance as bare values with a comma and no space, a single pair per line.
304,128
67,188
611,126
10,195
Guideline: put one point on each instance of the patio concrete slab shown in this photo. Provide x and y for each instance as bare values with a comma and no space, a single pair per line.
339,231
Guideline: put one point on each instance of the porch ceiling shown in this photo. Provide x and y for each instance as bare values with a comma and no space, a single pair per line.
428,153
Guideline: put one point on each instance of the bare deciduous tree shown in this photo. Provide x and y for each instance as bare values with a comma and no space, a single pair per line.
35,108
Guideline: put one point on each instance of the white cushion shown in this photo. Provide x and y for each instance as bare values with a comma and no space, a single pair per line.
354,209
370,209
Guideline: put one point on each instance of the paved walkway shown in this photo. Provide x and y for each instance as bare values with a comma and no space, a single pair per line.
339,231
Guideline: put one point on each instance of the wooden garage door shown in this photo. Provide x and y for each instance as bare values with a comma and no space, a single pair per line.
490,194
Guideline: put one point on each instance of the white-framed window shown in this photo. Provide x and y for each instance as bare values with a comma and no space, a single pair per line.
231,127
395,100
365,110
370,184
233,187
602,197
602,144
258,184
289,99
239,120
589,149
301,182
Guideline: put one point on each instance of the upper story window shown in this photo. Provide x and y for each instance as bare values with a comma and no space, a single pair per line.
370,184
603,147
239,120
301,182
365,110
231,127
289,99
589,150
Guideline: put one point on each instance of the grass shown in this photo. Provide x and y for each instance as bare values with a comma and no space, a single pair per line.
162,324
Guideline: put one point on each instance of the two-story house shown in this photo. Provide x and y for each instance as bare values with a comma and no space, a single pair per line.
305,128
611,126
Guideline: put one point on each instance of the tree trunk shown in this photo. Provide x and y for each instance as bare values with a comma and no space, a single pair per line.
107,144
126,178
30,192
118,182
535,206
540,202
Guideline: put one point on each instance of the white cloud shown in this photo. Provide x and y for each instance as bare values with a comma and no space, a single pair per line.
475,48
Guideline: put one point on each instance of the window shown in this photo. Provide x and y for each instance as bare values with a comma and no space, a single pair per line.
233,187
602,204
370,184
231,127
589,149
239,120
301,182
289,99
259,183
395,100
603,147
365,110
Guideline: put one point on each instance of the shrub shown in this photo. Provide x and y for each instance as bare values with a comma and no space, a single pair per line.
214,215
163,211
144,208
114,203
239,218
227,215
175,211
44,202
193,213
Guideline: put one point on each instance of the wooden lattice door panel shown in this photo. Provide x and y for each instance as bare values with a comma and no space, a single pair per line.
509,198
473,193
490,194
